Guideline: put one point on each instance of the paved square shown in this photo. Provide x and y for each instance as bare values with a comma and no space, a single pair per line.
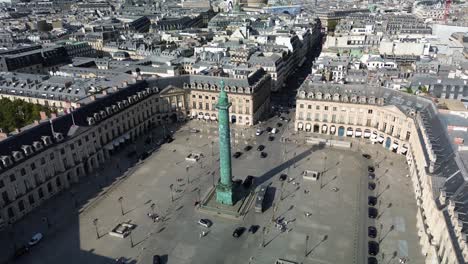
334,232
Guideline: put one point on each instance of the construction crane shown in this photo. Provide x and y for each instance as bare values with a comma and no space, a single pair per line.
448,3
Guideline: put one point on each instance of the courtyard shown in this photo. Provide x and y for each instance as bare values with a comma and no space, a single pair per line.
327,219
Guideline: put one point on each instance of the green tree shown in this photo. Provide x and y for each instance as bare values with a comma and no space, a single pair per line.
18,113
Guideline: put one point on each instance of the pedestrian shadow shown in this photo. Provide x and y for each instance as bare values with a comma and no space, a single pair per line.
274,237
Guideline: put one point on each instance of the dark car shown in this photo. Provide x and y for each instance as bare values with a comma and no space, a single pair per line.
372,200
372,212
237,154
238,231
21,251
373,248
248,181
271,138
283,177
279,124
263,155
247,148
156,259
168,139
260,147
367,156
371,186
371,175
253,229
372,231
268,129
372,260
370,169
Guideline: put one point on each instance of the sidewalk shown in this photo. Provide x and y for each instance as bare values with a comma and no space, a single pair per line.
57,213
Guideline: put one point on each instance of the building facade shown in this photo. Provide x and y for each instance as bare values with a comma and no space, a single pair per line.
408,125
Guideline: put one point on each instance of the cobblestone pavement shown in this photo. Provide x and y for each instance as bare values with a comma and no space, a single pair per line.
334,232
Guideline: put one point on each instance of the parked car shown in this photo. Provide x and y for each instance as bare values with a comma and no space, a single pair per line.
279,124
21,251
260,147
274,130
283,177
372,200
204,222
259,132
156,259
370,169
238,231
372,260
35,239
253,229
367,156
249,180
237,154
371,175
372,231
373,248
263,155
371,186
268,129
247,148
271,138
169,139
372,212
194,130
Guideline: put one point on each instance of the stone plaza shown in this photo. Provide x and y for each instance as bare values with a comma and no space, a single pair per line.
326,219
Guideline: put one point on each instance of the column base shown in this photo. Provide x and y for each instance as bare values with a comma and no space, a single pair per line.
224,194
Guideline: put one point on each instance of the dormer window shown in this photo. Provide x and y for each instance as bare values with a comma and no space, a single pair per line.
125,102
97,117
90,121
27,149
336,97
135,98
327,96
302,94
17,155
58,137
130,99
345,98
115,108
37,145
372,100
139,95
380,101
354,99
47,140
103,113
6,161
155,89
109,110
319,96
362,99
120,105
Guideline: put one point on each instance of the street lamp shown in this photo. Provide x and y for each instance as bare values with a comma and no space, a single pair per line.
152,211
120,200
213,177
172,193
306,245
187,172
95,223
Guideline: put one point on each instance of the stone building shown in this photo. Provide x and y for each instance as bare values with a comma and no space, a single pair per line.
48,158
250,97
408,125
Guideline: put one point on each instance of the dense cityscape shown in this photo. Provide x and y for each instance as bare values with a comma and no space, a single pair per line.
234,131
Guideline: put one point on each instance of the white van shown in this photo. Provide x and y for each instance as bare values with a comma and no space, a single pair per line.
274,130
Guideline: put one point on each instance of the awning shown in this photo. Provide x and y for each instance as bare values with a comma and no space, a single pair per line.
308,126
324,128
395,146
332,129
358,133
300,125
349,132
213,118
380,139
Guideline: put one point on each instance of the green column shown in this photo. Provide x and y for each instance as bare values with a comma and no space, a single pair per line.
224,194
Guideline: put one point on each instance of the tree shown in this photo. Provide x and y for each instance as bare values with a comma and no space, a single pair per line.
18,113
409,90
